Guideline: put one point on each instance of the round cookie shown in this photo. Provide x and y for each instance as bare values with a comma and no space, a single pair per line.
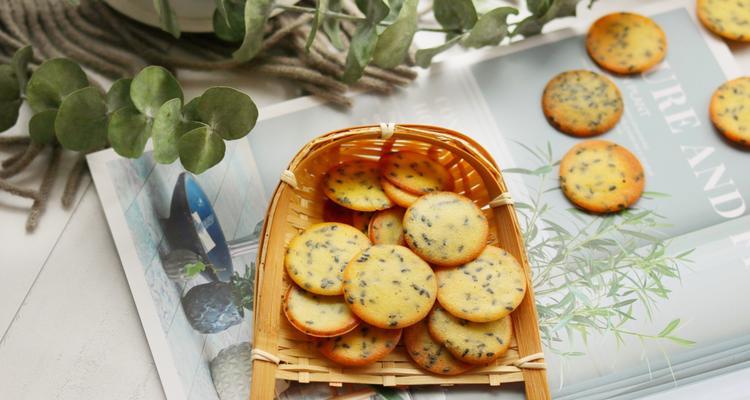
626,43
582,103
333,212
429,354
315,315
361,220
389,287
356,185
316,258
400,197
730,110
728,19
386,227
415,173
361,346
601,176
484,289
445,229
471,342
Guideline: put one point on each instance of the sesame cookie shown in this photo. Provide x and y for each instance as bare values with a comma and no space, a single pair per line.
362,346
315,315
601,176
400,197
730,110
388,286
471,342
333,212
485,289
356,185
386,227
415,173
445,229
728,19
582,103
316,258
429,354
361,220
626,43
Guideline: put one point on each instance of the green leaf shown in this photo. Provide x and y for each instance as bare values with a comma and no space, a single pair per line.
256,15
53,80
20,64
424,56
374,10
360,53
230,28
529,26
118,95
167,17
190,110
128,132
152,87
193,269
230,113
42,126
167,129
538,7
332,26
455,14
9,89
393,44
81,123
561,8
320,9
669,328
200,149
681,341
221,7
9,113
490,29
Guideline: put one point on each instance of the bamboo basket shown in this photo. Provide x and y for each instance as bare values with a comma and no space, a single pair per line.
281,352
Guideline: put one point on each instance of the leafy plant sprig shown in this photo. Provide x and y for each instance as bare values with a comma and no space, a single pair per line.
69,111
589,276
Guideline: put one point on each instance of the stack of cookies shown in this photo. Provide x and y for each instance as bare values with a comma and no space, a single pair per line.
401,255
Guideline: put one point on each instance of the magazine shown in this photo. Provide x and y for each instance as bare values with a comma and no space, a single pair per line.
629,304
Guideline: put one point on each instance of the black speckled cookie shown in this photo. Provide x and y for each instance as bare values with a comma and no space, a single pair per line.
626,43
316,258
389,287
316,315
362,346
386,227
356,185
429,354
445,229
415,173
728,19
730,110
472,342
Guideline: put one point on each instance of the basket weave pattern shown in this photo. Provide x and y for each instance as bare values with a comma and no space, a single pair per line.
298,203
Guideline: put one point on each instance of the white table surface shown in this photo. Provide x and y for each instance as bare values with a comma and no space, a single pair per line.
68,325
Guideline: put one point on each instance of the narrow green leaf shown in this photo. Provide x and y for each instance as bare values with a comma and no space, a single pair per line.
424,56
455,14
128,132
20,64
81,123
152,87
490,29
320,9
118,95
332,26
256,15
361,48
53,80
681,341
669,328
167,17
42,126
230,113
200,149
393,44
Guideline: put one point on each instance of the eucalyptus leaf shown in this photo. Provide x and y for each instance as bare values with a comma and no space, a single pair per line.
118,95
167,129
490,29
393,44
361,49
53,80
455,14
81,123
424,56
42,126
395,7
320,9
374,10
230,113
152,87
190,110
128,131
20,64
9,113
256,14
230,27
167,17
221,7
9,89
538,7
332,26
200,149
529,26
